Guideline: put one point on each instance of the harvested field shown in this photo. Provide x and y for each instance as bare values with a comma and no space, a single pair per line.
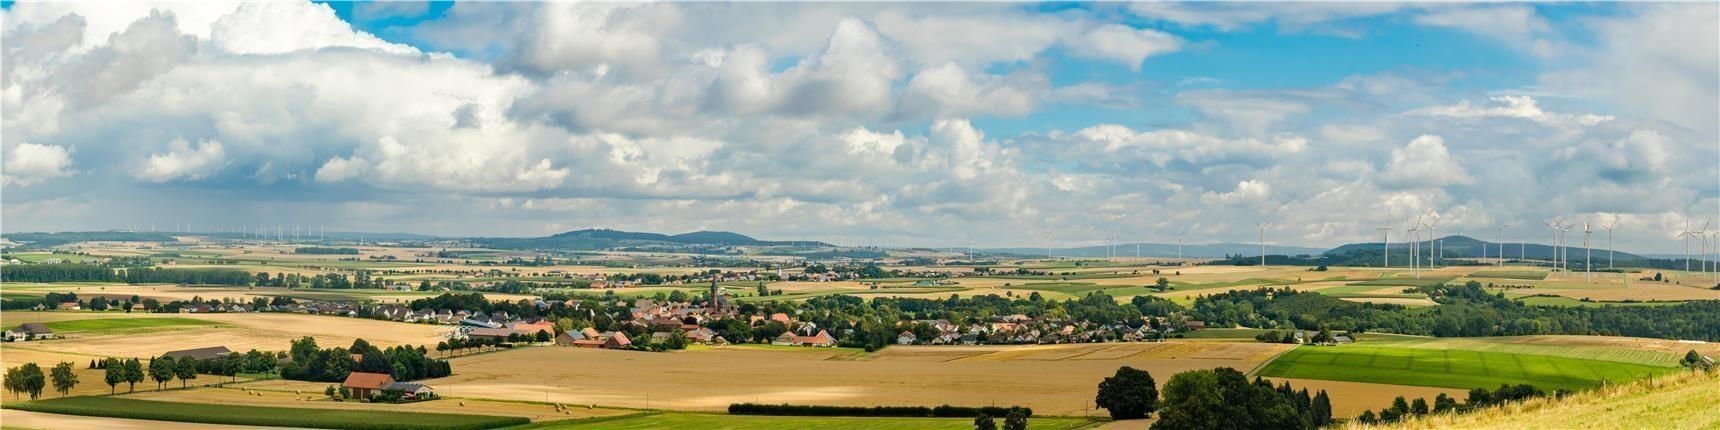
1351,398
1062,378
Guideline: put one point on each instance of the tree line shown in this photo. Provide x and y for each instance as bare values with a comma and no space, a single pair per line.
1465,311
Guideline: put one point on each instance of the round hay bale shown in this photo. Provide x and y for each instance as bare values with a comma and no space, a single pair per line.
462,403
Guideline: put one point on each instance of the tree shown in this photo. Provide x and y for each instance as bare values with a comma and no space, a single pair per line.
1193,400
133,374
185,369
1443,404
1322,409
1016,420
1163,284
114,374
63,378
1129,394
984,422
15,381
1367,417
161,370
31,380
1419,406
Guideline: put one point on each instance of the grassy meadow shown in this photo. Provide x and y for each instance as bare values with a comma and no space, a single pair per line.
106,324
1452,368
1681,400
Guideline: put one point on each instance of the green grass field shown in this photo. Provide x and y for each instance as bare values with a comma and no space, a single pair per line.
104,324
206,413
682,420
1532,275
1453,368
1408,282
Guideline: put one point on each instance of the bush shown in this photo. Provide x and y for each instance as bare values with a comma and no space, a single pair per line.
945,411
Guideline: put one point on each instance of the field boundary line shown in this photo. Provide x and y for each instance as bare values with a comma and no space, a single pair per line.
1258,367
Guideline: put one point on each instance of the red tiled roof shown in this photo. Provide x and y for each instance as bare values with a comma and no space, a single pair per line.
375,381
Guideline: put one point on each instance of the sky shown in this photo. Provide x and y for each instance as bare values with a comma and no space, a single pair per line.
891,124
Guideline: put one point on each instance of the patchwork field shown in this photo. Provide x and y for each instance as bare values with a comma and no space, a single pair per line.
1052,379
239,332
1454,368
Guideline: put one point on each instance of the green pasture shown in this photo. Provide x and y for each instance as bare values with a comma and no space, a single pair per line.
1530,275
1408,282
106,324
1452,368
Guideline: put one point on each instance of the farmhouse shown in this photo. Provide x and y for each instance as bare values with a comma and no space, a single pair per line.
364,385
200,354
906,338
411,391
27,331
617,341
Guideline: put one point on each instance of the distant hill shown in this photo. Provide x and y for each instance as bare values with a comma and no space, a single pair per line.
1162,250
600,239
44,240
1458,246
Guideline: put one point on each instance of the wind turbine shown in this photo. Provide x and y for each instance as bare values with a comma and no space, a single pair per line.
1565,244
1501,245
1387,232
1433,242
1686,236
1180,242
1110,247
1588,256
1609,228
1414,233
1262,226
1048,246
1554,226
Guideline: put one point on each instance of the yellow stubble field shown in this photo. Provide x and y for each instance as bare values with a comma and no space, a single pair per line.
1052,379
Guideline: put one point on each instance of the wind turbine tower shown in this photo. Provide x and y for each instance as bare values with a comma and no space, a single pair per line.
1609,228
1501,245
1588,256
1262,226
1387,232
1180,243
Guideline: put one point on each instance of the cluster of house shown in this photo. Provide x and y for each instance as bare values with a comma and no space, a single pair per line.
663,320
29,331
1021,329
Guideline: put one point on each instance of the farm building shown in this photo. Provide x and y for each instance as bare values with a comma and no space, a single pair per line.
28,331
200,354
617,341
411,391
363,385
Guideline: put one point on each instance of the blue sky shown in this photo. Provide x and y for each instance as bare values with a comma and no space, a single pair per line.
905,123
